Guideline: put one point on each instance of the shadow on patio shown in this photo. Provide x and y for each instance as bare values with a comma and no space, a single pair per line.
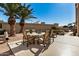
7,53
31,50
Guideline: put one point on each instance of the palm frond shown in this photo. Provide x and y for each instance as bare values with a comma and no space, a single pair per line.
31,9
28,6
10,8
24,5
31,16
17,17
1,10
4,6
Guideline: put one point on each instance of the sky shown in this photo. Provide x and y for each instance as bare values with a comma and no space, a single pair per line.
62,13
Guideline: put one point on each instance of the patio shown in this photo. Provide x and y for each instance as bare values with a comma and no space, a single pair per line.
4,49
63,46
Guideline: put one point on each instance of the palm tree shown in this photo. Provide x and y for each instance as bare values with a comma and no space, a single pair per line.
10,9
24,14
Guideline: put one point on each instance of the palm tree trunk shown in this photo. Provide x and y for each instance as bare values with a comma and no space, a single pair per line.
11,22
12,30
22,28
22,22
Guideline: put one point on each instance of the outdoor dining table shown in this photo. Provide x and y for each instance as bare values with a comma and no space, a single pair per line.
36,35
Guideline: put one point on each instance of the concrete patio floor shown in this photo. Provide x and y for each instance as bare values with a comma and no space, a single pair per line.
4,49
63,46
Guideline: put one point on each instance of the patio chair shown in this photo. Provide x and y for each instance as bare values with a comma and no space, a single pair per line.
2,36
45,40
28,39
52,35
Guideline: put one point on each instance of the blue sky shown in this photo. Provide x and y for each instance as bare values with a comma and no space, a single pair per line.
62,13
